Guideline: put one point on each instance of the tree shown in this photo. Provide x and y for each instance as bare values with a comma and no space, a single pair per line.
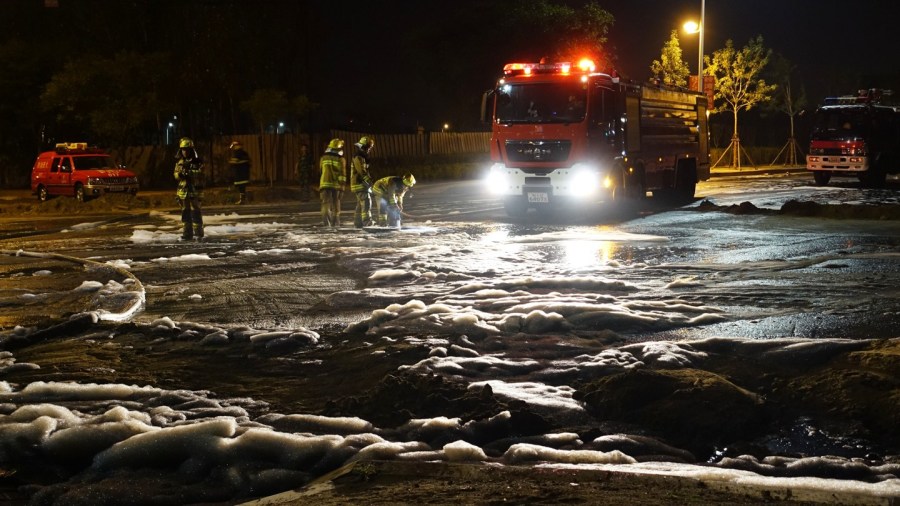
670,69
21,74
302,107
788,100
739,84
117,101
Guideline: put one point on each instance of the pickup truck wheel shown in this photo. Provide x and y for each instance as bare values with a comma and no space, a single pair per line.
79,193
42,194
821,177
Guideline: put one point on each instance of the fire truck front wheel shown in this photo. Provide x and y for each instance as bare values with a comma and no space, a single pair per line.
821,177
874,177
515,207
630,185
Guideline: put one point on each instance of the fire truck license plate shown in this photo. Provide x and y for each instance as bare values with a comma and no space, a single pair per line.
538,197
116,188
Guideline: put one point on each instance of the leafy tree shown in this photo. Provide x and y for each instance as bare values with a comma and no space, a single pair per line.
266,106
20,75
739,84
117,101
562,31
670,69
302,107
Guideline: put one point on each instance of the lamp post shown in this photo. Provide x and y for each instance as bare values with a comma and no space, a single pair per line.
693,27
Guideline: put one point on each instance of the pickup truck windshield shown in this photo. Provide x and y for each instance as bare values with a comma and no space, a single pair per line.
93,162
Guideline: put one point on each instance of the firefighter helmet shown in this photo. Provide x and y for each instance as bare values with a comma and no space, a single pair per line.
336,144
367,142
409,180
186,143
234,145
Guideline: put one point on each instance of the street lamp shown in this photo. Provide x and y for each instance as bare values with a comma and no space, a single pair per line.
694,27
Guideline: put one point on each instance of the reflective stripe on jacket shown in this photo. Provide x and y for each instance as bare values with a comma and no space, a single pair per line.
333,167
189,173
360,180
390,188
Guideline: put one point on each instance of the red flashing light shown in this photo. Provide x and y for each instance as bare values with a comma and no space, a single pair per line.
586,65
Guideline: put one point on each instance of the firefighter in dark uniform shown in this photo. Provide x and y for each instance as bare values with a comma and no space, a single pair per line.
361,182
389,192
304,173
239,162
189,174
331,184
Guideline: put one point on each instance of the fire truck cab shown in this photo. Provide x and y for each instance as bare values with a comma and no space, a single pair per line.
855,136
74,168
564,134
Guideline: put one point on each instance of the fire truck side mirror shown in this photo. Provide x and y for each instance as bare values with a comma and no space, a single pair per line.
485,100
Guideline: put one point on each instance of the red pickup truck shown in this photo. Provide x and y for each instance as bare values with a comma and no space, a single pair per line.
83,172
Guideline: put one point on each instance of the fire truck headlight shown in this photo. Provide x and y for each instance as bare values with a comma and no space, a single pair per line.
496,180
585,180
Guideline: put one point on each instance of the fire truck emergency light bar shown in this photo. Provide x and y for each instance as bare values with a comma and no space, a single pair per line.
585,65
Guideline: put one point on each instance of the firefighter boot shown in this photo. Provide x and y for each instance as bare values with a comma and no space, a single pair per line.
188,233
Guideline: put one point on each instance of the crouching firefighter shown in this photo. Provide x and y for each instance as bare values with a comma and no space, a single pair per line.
188,173
389,192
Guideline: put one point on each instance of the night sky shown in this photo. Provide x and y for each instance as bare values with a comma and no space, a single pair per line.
395,64
819,36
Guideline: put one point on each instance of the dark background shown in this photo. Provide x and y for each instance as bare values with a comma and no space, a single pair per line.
395,66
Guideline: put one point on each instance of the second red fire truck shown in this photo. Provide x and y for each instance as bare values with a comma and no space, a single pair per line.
856,136
564,134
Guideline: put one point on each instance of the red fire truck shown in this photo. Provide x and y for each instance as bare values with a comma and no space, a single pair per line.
857,136
566,134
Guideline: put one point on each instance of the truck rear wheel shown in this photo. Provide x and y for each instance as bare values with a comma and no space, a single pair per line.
42,194
821,177
686,180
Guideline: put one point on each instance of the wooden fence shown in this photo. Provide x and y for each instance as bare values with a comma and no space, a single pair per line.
273,157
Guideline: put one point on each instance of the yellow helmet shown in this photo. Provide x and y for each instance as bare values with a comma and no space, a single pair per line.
186,143
409,180
336,144
367,142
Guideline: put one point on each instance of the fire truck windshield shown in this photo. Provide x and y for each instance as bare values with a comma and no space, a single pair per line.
840,123
541,103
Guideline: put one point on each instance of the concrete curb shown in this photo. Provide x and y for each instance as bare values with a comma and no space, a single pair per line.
761,170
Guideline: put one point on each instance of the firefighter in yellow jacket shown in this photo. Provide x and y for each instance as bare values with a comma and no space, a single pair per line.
389,192
189,174
331,184
361,182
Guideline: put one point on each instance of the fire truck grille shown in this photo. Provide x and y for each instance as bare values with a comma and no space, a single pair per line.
538,151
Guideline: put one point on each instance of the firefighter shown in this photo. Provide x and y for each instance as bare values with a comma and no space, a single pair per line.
389,192
239,161
331,184
361,182
303,171
188,173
